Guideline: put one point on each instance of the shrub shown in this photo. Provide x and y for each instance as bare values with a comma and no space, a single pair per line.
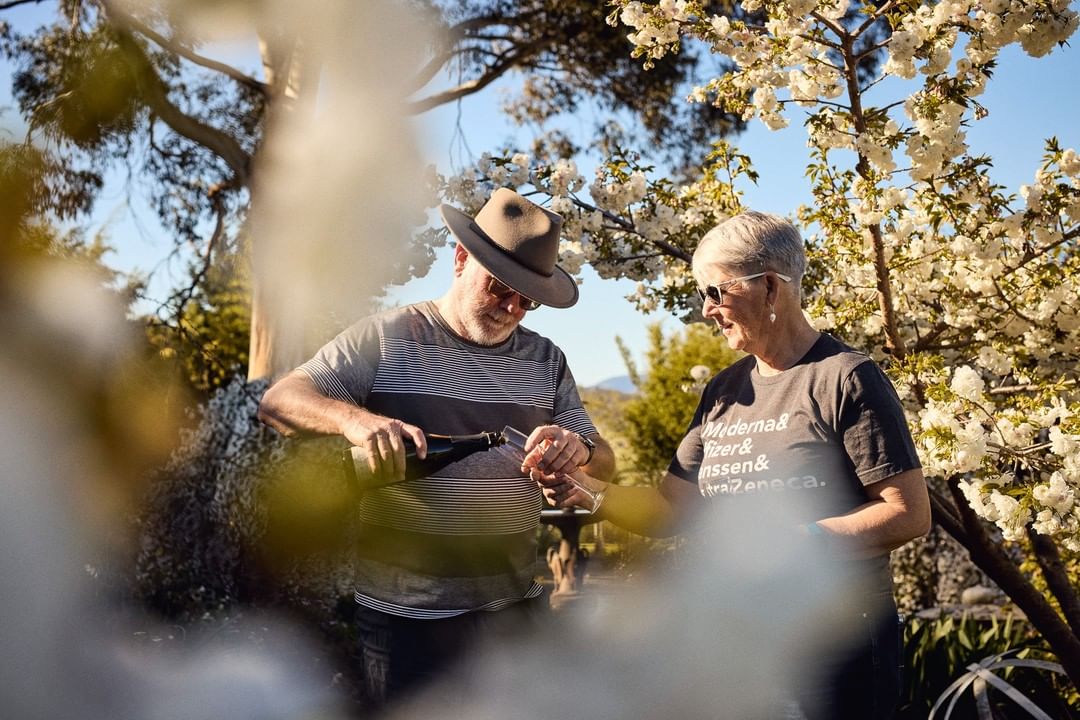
939,650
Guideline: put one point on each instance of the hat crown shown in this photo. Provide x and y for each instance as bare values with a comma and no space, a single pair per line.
522,229
517,242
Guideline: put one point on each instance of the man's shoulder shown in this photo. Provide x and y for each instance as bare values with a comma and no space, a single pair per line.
404,320
418,309
532,342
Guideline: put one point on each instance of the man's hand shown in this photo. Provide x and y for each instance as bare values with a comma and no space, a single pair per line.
294,405
382,440
554,451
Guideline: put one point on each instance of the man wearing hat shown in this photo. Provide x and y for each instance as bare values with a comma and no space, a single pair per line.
448,558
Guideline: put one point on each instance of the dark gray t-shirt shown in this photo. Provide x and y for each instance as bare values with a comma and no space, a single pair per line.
817,434
465,538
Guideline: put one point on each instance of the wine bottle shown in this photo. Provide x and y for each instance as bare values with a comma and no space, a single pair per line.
441,451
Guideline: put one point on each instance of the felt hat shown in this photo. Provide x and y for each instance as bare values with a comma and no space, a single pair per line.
517,241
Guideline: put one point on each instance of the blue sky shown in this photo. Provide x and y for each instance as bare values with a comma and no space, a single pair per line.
1028,100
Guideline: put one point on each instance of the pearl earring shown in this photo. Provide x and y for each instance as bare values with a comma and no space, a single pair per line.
772,315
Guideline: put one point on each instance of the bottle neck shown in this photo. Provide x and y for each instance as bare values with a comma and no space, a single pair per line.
490,439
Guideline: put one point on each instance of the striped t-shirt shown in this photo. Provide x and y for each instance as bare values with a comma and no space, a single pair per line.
465,538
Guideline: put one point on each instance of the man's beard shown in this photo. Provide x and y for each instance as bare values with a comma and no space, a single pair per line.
490,327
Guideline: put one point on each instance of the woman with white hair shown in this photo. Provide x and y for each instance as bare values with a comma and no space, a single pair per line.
802,419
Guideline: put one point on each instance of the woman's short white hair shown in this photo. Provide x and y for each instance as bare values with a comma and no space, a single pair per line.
752,242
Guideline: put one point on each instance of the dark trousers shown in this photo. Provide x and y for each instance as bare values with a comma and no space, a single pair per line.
862,681
400,654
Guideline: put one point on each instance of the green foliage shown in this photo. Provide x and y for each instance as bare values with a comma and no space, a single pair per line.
938,651
210,337
607,409
36,187
240,514
80,86
656,420
36,195
1033,570
107,100
574,58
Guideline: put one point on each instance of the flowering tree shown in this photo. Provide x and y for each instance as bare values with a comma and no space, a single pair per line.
968,293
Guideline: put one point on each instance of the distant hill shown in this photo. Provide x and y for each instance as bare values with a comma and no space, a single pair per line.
619,383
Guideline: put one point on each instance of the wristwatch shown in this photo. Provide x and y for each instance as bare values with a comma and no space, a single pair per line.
589,445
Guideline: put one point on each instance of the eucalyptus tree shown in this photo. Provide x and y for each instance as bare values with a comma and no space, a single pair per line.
108,85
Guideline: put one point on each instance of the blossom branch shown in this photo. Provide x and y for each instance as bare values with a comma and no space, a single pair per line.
1036,253
837,29
1028,387
989,416
828,103
818,40
949,345
632,258
1009,303
944,515
1026,454
666,247
926,341
875,16
894,340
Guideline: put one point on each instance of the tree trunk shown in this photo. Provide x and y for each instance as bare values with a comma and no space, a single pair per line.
261,347
270,355
1002,570
1057,578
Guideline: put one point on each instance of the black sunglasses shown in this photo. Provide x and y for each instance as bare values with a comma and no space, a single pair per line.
503,291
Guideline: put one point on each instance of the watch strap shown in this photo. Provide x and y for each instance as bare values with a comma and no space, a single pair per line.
589,445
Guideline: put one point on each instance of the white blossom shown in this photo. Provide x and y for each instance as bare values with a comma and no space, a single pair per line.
967,383
1069,163
1056,495
994,360
971,447
1063,443
1011,517
633,14
562,205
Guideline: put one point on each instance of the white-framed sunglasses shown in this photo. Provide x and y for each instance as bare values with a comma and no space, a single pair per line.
716,292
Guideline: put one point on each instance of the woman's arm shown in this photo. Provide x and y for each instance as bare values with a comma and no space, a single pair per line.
898,511
654,512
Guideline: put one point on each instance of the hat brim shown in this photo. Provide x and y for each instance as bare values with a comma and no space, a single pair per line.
557,290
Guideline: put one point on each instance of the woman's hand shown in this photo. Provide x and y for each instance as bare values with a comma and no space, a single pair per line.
575,490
